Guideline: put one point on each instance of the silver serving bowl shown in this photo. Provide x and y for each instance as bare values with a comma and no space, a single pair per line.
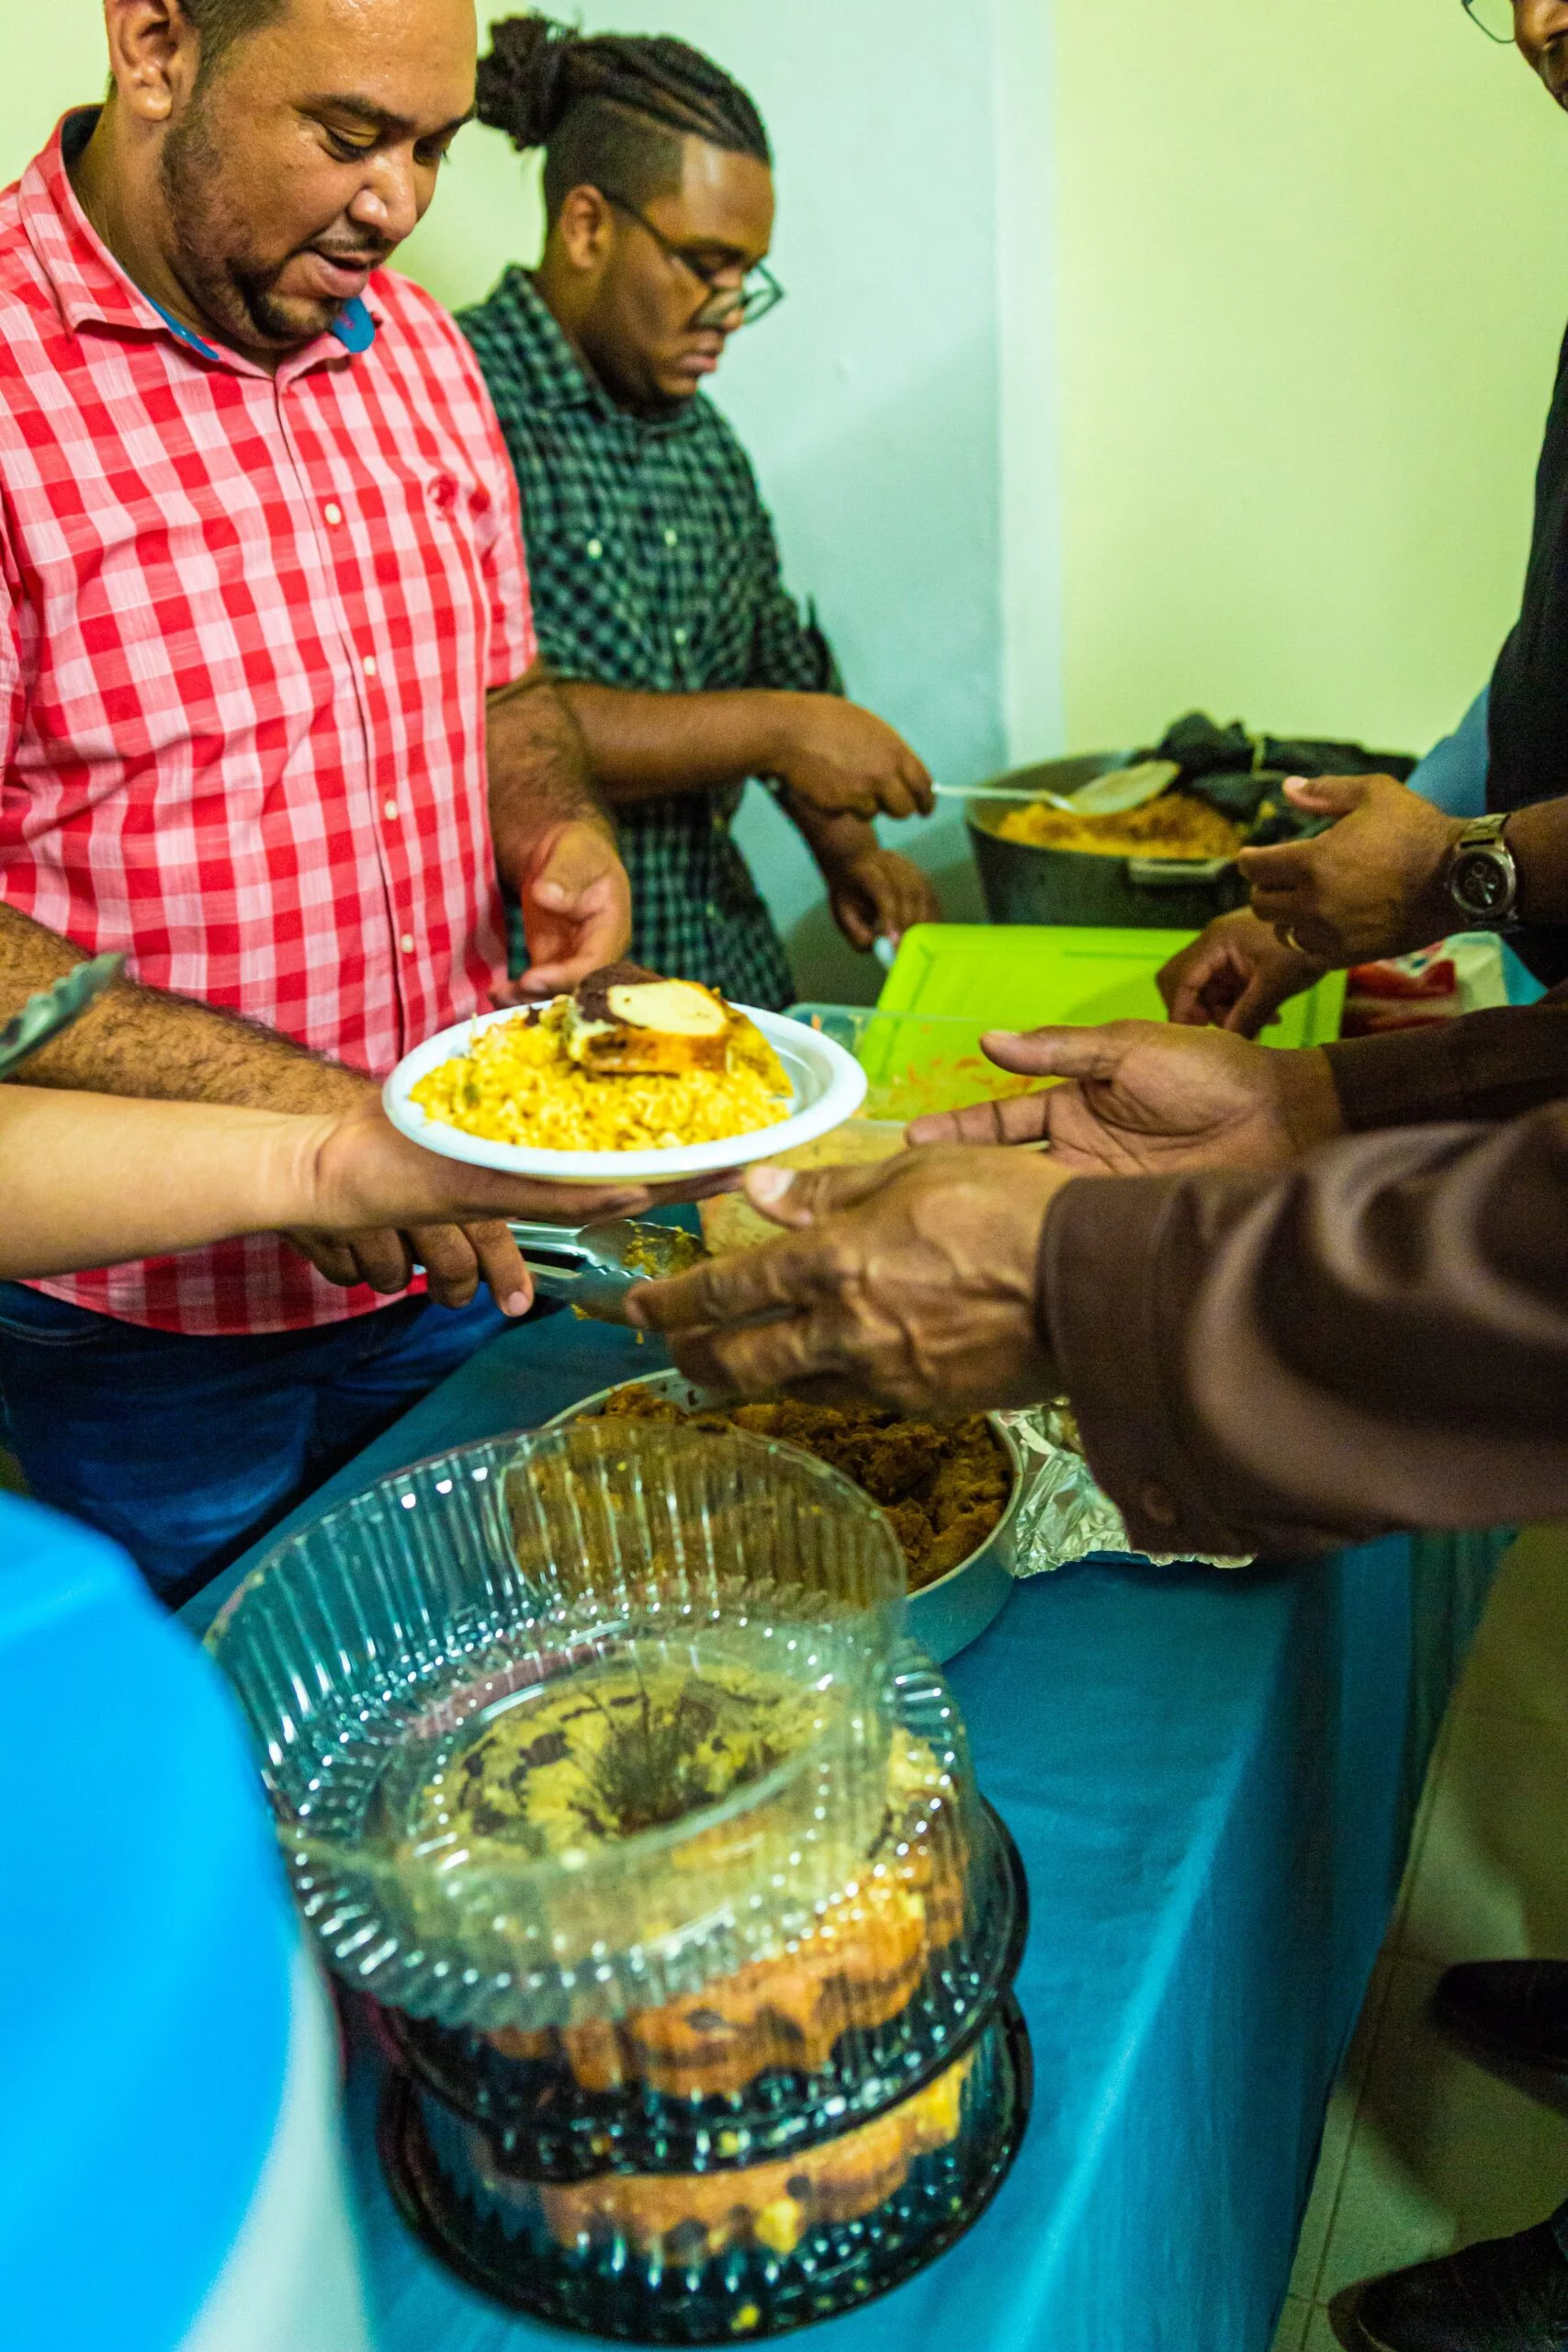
945,1616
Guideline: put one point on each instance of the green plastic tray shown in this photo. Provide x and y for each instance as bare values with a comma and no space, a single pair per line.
915,1062
1016,977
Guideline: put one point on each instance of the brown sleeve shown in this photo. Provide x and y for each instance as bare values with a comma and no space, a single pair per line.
1484,1066
1377,1340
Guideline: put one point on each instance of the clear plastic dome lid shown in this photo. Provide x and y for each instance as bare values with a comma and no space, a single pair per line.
559,1726
892,1980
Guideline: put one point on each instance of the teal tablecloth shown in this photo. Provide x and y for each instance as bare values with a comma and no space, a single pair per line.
1212,1779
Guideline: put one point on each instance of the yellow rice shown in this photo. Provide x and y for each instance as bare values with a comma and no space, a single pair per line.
517,1084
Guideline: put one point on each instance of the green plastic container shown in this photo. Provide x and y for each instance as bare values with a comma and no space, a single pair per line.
1020,976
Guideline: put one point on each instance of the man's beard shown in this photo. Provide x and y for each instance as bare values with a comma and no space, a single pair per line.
209,236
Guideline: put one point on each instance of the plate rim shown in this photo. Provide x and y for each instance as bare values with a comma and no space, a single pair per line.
844,1094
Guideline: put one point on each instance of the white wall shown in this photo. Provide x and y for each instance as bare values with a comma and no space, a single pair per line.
870,401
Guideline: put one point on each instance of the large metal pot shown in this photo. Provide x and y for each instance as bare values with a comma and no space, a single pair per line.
1022,884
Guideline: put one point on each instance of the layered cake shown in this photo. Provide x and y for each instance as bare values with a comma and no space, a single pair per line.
676,2257
687,2217
859,1966
605,1754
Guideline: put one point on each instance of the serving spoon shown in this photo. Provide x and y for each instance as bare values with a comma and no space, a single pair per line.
1115,794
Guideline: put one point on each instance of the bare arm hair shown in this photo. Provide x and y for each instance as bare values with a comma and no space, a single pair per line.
647,746
539,773
145,1041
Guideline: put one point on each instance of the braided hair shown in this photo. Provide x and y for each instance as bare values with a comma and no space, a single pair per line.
611,110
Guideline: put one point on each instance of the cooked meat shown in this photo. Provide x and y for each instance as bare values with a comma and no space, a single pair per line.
943,1486
957,1540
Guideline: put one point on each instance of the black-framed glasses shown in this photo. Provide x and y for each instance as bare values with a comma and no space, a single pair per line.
751,298
1496,18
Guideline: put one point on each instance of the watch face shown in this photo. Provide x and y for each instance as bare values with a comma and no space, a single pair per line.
1480,883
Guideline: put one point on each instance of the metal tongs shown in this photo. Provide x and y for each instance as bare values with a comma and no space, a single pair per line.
595,1267
45,1015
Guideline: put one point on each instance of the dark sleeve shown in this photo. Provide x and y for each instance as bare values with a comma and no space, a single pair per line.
1378,1339
788,648
1484,1066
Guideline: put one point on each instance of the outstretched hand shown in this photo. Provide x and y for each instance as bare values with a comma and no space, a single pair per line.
912,1280
1144,1098
576,910
1236,975
1373,884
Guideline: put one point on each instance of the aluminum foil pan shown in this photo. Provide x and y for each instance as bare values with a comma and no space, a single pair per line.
945,1616
1064,1515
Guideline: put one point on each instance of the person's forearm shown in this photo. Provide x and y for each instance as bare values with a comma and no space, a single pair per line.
1537,837
139,1041
183,1174
647,747
539,774
833,840
1378,1339
1491,1064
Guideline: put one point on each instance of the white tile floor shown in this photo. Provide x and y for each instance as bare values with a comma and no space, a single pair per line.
1424,2150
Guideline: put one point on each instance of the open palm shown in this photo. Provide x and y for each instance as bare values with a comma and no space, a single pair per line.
1139,1098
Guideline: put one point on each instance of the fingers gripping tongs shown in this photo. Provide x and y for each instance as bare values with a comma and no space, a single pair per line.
595,1268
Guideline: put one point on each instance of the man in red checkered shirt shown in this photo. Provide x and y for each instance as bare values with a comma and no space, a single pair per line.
270,721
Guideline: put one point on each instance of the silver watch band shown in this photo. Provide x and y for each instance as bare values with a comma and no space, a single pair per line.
1483,879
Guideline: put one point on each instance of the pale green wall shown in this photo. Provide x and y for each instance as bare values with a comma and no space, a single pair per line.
1314,276
1313,270
54,59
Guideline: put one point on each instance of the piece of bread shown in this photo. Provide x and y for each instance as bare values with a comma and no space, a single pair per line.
630,1023
730,1223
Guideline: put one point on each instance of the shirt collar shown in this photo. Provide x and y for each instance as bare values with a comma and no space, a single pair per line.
555,376
94,291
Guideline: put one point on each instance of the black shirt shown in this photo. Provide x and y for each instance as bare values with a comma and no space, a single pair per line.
1528,725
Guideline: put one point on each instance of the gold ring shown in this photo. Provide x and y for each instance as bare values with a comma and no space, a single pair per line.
1292,942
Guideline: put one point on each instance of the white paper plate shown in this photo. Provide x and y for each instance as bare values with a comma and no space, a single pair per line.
829,1087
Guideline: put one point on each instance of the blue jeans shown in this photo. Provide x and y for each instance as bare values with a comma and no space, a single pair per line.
186,1449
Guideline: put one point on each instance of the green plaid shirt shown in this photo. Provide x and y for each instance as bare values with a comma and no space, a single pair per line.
653,566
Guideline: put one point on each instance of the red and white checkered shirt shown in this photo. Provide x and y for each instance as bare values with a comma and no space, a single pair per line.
247,626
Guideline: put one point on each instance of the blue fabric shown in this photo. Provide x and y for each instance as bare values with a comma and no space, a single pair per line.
1453,775
185,1449
354,327
1212,1779
145,1965
1453,778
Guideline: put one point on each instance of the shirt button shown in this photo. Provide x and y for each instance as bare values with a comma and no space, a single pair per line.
390,808
370,665
595,549
406,942
332,514
1159,1505
671,538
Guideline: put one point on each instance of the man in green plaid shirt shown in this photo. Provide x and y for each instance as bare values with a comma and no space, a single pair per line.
657,588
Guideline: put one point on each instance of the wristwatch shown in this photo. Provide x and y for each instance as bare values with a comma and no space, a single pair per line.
1484,881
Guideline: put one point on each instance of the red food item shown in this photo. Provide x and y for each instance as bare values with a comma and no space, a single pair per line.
1402,992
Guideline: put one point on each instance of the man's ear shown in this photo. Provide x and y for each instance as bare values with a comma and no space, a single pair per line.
586,228
154,52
